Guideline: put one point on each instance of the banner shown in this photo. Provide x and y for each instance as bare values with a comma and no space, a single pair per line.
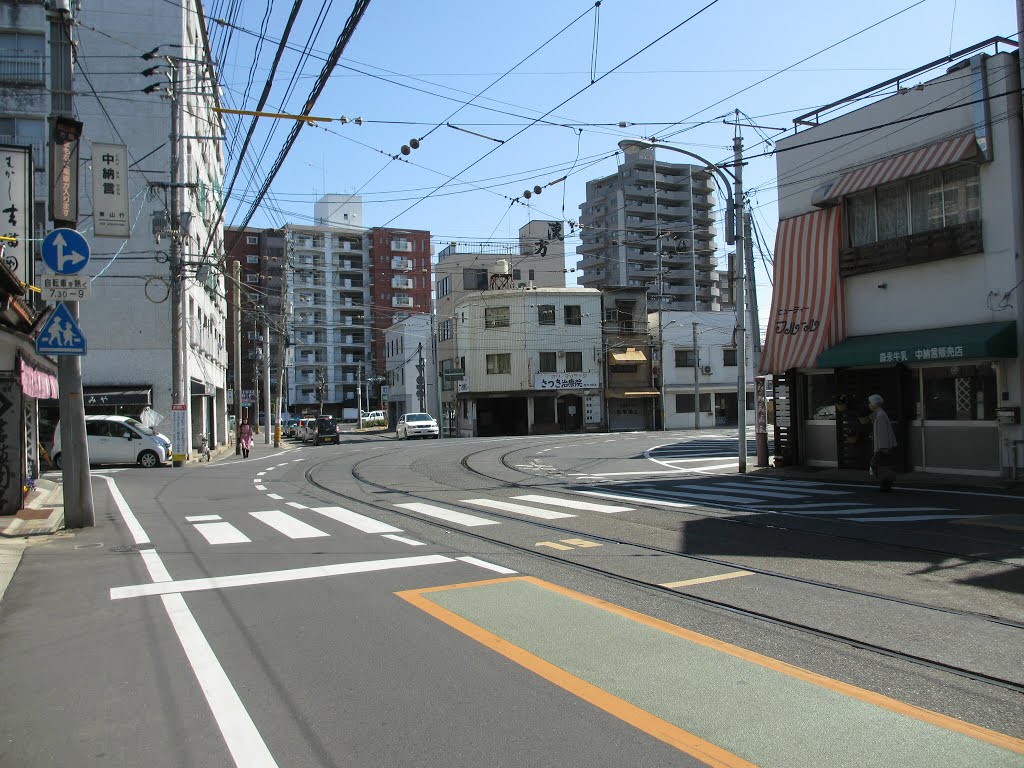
16,209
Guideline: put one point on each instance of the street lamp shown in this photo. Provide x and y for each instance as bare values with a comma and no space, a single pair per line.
734,219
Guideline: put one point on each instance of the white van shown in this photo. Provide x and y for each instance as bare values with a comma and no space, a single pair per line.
119,440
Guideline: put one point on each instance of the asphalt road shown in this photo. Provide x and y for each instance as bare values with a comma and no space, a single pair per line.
600,600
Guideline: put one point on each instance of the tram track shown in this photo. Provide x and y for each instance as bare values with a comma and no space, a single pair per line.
362,477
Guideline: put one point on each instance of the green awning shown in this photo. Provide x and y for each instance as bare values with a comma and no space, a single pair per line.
963,342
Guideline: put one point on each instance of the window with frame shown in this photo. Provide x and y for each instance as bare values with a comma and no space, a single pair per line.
685,358
496,317
547,362
22,57
546,314
499,363
821,397
729,357
252,239
958,393
444,287
573,362
252,278
684,403
941,199
252,259
573,314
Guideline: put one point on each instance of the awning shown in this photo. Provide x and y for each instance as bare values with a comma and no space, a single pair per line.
629,355
614,394
807,305
36,382
100,396
906,164
963,342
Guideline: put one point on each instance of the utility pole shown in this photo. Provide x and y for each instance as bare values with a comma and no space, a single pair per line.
77,480
755,321
282,353
739,298
179,394
266,377
421,382
696,381
359,396
237,322
661,294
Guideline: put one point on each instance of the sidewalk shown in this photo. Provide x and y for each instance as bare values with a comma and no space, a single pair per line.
42,513
936,481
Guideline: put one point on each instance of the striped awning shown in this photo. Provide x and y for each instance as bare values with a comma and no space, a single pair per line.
906,164
807,305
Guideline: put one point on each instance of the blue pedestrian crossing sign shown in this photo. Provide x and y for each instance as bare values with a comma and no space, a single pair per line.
65,251
60,334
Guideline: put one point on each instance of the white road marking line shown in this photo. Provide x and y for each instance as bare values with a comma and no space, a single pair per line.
638,499
485,564
518,509
755,486
243,739
256,480
848,510
810,507
410,542
904,519
275,496
260,474
357,521
781,481
573,504
707,579
275,577
222,533
701,497
260,487
295,460
297,505
288,525
202,518
765,494
132,522
155,566
448,515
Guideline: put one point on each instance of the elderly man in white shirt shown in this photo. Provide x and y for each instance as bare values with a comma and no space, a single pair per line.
883,443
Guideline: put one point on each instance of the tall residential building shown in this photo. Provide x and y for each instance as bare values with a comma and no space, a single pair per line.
328,295
620,226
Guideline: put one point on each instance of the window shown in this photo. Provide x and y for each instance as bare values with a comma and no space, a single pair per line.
573,362
252,259
573,316
941,199
684,403
252,278
446,329
729,356
959,393
251,239
685,358
16,130
254,296
474,279
517,274
530,275
21,57
821,397
501,363
496,317
546,314
548,362
444,287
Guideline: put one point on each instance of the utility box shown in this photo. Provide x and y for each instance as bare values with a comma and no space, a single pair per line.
1009,415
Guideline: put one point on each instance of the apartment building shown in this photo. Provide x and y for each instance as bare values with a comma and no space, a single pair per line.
620,223
411,378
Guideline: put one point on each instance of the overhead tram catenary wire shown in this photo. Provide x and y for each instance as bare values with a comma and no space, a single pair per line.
307,108
557,106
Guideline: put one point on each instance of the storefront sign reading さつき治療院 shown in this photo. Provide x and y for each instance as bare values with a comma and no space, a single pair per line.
927,353
565,381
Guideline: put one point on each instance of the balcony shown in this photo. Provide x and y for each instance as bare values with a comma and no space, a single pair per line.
402,301
404,283
22,69
921,248
397,245
401,265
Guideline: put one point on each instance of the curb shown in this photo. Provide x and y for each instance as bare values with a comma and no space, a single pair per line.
47,497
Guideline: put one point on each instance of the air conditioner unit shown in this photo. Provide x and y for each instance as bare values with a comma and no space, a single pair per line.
706,370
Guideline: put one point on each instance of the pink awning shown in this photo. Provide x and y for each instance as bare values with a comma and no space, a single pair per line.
807,305
36,383
906,164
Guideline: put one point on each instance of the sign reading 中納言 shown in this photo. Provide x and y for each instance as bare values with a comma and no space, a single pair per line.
110,190
924,353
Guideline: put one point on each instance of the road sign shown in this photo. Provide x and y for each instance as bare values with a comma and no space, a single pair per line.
65,251
60,334
65,288
179,431
449,375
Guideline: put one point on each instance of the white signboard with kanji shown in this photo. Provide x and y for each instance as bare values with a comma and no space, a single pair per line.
110,190
16,208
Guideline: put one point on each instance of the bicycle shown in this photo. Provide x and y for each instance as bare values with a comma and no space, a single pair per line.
204,448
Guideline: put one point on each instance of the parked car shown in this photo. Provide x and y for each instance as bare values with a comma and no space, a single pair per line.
416,425
325,430
119,440
290,427
374,419
305,431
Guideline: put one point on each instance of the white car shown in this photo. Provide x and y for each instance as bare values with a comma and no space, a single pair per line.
416,425
119,440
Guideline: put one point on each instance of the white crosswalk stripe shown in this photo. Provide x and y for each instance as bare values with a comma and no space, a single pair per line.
357,521
448,515
518,509
572,504
288,525
221,533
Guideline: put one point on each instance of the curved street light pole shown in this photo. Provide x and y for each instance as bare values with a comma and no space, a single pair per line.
735,213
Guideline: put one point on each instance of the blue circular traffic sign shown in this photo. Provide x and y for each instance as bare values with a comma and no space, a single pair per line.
65,251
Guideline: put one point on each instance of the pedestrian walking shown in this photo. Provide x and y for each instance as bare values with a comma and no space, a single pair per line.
883,443
245,436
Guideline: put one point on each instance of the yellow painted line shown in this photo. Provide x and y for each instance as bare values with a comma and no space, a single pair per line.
655,726
664,731
707,579
581,543
552,544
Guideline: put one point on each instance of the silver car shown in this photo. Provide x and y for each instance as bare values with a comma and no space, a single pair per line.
416,425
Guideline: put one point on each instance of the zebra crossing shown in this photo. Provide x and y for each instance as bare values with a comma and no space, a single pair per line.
701,448
217,531
770,495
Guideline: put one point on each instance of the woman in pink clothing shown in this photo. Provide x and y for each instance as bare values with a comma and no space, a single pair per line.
245,437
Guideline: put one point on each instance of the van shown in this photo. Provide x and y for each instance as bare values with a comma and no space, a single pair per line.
119,440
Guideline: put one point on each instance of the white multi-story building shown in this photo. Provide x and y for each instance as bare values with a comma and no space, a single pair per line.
328,293
532,361
409,358
898,272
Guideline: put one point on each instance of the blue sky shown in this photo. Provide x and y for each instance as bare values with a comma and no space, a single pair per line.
438,55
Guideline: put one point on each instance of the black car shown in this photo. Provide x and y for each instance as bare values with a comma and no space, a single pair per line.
325,431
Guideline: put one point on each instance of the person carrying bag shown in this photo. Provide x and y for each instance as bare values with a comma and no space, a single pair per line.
883,444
